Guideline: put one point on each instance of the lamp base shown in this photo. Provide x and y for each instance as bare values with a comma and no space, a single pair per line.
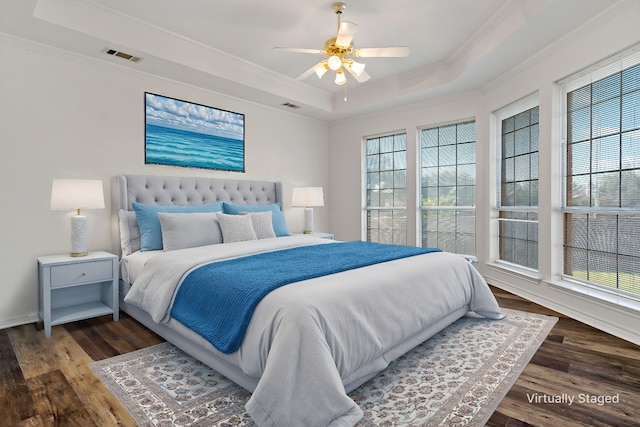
79,236
308,221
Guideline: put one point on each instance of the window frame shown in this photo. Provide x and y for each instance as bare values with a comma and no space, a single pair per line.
604,69
366,208
524,104
421,209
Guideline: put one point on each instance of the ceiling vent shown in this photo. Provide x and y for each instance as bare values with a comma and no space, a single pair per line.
290,105
122,55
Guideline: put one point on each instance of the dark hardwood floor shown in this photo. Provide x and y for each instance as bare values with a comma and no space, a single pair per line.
48,382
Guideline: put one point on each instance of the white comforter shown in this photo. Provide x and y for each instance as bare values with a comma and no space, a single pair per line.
306,340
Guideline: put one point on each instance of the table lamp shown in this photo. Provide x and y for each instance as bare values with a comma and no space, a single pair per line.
76,194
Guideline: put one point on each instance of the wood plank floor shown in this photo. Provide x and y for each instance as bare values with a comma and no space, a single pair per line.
48,382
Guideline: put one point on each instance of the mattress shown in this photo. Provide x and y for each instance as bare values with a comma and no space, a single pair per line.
132,264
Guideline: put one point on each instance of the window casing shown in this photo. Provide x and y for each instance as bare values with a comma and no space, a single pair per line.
518,195
601,209
448,187
386,188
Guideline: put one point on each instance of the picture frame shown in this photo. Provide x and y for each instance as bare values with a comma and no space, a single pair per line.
186,134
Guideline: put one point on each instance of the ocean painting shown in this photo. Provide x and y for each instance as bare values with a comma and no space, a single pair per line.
180,133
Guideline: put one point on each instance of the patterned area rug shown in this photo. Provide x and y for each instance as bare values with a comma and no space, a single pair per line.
457,377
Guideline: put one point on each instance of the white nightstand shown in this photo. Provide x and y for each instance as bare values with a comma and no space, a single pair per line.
76,288
317,234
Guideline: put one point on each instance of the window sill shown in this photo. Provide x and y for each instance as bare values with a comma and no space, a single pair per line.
597,293
514,270
567,286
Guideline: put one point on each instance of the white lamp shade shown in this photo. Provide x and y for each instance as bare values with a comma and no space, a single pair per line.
69,194
357,68
307,197
334,62
320,69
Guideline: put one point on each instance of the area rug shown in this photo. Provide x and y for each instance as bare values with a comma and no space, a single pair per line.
457,377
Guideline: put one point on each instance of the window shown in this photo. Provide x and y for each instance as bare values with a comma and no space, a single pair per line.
448,184
601,209
518,190
386,188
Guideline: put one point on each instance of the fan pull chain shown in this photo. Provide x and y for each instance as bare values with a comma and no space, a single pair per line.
345,92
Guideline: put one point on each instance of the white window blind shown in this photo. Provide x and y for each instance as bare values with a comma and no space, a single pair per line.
601,209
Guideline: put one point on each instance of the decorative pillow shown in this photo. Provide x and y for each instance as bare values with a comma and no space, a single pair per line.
279,224
150,230
188,230
277,218
235,209
262,224
129,232
236,228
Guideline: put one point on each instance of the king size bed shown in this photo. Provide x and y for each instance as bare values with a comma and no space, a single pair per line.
306,319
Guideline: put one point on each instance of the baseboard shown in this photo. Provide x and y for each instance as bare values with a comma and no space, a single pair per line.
10,323
612,318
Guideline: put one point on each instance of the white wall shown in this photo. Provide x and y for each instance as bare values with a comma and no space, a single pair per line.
63,116
538,75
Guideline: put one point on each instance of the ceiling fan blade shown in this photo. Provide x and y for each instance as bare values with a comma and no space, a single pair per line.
309,72
299,50
382,52
363,77
345,34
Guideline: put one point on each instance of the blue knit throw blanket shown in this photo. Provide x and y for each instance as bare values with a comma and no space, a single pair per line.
218,299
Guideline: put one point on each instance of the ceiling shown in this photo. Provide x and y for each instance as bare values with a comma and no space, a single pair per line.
456,45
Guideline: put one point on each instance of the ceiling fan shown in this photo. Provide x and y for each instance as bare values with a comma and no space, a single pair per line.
341,53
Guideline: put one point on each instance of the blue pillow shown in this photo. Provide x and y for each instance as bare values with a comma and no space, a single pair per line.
279,224
150,230
278,219
235,209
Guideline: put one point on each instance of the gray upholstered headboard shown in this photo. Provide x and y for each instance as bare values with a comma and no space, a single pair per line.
175,190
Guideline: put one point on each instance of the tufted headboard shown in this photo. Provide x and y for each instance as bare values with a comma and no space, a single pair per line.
175,190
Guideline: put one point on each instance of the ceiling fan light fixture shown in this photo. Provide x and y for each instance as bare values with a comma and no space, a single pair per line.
339,53
320,69
334,62
357,68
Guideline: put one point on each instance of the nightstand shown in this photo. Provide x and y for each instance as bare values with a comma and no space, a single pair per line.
77,288
317,234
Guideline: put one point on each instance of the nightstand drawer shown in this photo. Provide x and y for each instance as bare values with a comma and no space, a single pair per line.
64,275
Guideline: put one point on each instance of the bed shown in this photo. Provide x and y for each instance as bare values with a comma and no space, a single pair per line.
305,345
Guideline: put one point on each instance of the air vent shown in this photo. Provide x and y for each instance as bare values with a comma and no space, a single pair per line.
290,105
122,55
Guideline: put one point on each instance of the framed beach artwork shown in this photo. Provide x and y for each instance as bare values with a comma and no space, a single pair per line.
181,133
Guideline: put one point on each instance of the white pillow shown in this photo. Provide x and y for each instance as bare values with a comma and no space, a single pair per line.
188,230
129,232
262,224
236,228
